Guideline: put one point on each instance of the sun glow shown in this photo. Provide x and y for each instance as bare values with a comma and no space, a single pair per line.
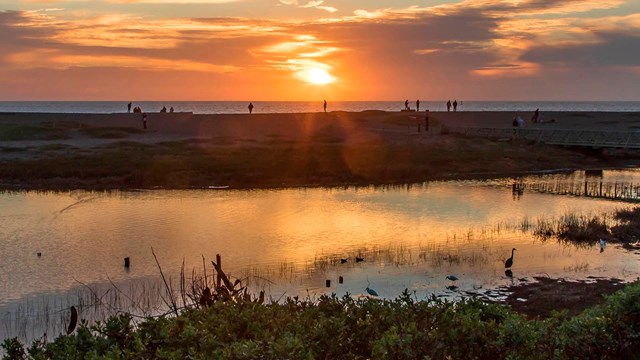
317,76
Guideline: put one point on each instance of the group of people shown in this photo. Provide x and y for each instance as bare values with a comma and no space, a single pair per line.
138,109
407,108
449,104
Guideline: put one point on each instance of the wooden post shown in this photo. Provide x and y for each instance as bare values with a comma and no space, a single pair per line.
218,277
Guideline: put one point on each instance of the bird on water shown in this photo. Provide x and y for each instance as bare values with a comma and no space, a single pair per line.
359,259
452,277
509,262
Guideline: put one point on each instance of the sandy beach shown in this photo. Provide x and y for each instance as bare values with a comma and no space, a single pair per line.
183,150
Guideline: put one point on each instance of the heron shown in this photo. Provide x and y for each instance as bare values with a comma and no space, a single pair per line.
509,262
452,277
359,259
371,292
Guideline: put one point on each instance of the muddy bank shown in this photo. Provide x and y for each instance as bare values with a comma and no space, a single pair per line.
538,300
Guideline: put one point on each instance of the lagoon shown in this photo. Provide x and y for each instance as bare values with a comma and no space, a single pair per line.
289,242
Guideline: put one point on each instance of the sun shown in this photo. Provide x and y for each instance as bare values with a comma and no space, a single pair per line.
318,76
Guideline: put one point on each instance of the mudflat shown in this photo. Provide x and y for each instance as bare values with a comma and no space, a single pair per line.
184,150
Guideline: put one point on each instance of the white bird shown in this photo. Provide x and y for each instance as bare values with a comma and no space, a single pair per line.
603,242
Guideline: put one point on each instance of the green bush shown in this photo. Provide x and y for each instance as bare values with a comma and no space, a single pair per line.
348,328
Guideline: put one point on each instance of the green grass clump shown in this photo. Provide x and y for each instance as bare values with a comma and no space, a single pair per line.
110,132
348,328
28,132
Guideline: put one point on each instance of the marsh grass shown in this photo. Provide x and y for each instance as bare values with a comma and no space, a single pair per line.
29,132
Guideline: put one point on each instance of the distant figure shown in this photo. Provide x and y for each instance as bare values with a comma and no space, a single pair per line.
536,116
406,104
128,107
250,108
325,106
164,109
418,105
144,120
455,105
448,105
171,109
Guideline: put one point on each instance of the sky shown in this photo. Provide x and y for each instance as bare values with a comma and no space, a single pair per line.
290,50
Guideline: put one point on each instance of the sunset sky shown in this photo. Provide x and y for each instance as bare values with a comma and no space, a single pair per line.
309,50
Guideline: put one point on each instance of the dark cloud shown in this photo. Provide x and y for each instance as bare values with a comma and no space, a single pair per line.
612,49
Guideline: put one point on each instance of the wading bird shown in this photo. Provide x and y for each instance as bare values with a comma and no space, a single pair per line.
371,292
509,262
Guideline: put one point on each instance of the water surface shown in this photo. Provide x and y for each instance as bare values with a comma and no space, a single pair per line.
289,242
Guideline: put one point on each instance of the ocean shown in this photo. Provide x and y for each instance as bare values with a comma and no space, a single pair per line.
240,107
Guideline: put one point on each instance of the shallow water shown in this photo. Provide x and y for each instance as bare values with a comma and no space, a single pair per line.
289,242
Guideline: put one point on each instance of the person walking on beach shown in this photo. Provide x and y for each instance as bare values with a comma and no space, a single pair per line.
406,104
325,105
418,105
250,108
448,105
128,107
536,116
455,105
144,120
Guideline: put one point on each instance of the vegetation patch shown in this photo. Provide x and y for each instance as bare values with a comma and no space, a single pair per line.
111,132
28,132
224,322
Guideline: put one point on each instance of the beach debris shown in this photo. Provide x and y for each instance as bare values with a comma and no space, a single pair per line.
39,254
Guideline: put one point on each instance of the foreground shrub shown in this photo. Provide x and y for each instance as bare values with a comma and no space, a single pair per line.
347,328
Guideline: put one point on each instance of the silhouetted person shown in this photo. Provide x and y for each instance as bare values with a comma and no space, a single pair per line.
171,109
164,109
455,105
406,104
536,116
250,108
129,107
325,106
144,120
417,105
448,105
